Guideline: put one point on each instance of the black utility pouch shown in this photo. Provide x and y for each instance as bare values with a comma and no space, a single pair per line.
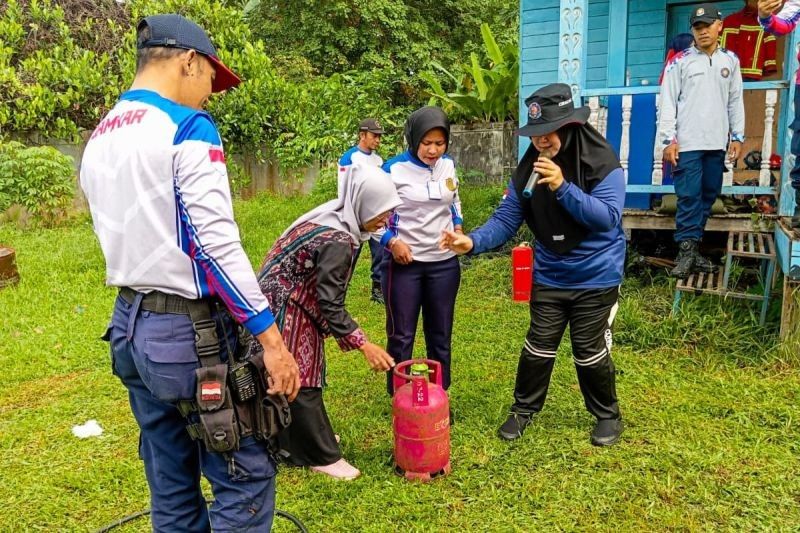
220,430
272,414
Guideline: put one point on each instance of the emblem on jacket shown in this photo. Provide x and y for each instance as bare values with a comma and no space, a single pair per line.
451,184
725,72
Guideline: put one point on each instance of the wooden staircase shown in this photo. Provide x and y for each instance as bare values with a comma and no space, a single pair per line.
749,245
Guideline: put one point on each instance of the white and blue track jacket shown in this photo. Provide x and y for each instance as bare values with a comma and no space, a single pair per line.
702,105
430,205
356,155
155,177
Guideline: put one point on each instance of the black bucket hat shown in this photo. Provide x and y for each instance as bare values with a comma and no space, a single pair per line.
550,108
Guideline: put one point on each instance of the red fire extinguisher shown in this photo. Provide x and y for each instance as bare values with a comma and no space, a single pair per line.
421,420
522,266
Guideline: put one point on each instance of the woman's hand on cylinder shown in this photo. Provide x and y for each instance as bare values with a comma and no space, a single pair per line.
550,173
377,358
401,252
456,242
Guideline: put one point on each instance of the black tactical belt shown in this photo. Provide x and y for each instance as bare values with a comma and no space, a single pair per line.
158,302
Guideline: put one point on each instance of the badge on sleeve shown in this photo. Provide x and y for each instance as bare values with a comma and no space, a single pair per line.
434,190
451,184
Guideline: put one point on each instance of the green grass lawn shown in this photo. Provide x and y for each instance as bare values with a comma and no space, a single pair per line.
710,406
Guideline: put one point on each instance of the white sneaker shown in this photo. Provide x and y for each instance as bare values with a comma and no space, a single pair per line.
341,469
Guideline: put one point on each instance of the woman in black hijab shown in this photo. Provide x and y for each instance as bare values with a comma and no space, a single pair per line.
575,213
418,275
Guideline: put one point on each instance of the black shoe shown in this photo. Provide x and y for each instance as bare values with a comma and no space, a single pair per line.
701,264
606,432
514,426
685,260
377,294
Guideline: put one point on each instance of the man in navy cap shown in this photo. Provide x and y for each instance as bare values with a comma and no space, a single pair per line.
366,153
155,178
702,115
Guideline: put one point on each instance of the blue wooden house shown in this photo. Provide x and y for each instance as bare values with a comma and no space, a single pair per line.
611,52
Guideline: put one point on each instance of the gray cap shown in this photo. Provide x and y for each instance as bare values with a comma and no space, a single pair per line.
371,125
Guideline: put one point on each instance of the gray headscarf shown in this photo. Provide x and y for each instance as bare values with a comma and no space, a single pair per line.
365,192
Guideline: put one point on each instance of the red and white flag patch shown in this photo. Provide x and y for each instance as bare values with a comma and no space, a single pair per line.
210,391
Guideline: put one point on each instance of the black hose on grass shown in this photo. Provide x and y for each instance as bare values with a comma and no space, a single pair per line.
131,517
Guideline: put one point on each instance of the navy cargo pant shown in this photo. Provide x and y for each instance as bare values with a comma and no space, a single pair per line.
698,182
376,261
427,286
154,357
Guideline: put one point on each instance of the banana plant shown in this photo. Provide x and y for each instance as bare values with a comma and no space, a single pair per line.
486,88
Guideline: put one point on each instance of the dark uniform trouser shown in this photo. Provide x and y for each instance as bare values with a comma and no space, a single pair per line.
430,287
589,313
154,356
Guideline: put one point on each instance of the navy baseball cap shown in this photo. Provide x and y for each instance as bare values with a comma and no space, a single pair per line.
175,31
707,13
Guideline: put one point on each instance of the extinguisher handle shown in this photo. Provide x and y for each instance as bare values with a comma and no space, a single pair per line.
400,374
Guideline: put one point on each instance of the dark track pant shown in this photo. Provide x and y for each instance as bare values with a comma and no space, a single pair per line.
589,314
430,287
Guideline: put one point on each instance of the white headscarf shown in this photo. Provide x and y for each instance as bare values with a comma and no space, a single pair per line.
365,192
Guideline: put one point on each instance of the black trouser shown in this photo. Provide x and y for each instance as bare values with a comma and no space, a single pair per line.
589,313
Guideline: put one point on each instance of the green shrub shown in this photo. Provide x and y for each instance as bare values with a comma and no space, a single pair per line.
63,64
38,178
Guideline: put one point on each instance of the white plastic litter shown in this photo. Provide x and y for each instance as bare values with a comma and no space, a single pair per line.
90,429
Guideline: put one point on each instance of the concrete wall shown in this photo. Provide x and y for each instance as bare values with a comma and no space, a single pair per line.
264,175
487,148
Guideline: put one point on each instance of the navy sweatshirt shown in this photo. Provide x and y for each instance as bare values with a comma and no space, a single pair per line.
596,263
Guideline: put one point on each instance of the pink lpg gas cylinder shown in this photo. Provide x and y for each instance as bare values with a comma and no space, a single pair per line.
421,420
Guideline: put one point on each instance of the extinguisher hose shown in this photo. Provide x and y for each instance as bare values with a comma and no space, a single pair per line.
131,517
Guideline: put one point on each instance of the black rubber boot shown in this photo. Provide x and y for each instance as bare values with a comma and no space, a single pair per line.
796,217
377,293
684,263
701,264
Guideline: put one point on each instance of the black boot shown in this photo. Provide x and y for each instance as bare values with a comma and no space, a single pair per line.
701,264
377,294
684,263
796,217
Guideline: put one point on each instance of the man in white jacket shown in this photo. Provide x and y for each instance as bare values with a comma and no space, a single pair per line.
702,114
